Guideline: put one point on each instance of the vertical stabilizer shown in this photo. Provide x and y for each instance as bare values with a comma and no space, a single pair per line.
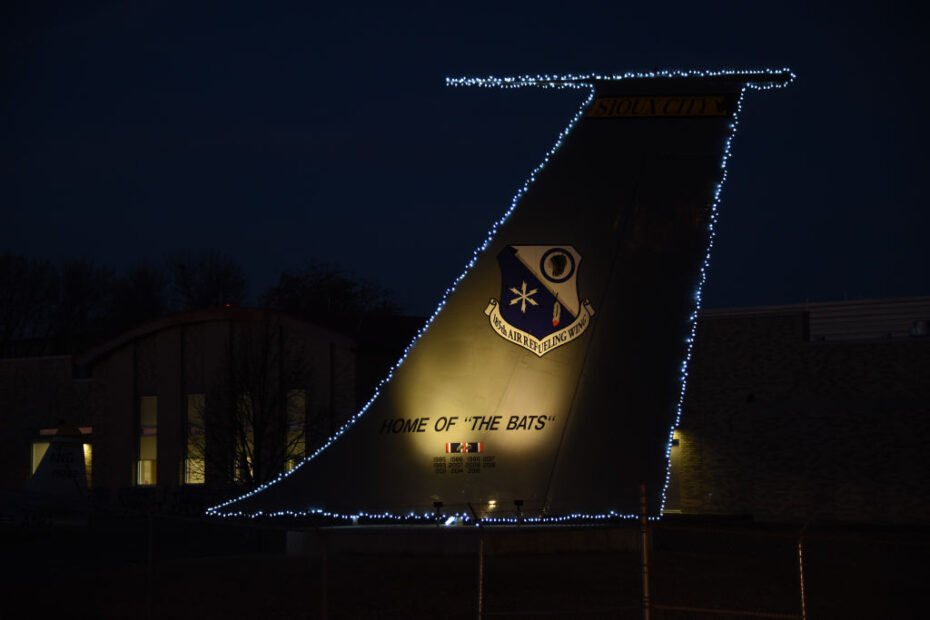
61,471
549,380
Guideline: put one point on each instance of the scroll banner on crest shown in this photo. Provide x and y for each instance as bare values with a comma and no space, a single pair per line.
531,343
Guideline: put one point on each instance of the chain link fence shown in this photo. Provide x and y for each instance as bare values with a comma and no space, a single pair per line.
178,567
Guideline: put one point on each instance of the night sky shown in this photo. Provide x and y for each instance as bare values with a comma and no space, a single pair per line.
278,134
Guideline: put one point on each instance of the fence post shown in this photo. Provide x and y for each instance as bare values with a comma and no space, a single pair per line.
801,567
801,575
150,564
480,573
644,526
324,557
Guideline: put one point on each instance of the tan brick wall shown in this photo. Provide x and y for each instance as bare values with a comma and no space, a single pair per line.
781,428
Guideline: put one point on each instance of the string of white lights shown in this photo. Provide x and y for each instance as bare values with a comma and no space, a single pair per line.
430,517
705,266
777,79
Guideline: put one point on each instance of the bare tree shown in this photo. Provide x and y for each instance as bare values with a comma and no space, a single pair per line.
82,305
138,296
28,293
205,280
252,423
48,308
328,294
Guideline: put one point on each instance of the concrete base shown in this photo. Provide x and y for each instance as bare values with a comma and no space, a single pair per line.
438,540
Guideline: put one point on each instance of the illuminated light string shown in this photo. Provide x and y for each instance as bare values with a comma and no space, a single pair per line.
781,77
705,266
433,517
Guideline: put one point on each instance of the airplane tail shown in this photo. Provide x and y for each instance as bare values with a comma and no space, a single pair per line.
548,382
61,471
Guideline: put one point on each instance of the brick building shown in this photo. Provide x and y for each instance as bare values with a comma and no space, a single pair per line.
804,411
140,398
792,412
35,395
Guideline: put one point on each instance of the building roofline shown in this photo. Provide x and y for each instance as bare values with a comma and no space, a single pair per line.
191,317
37,358
719,313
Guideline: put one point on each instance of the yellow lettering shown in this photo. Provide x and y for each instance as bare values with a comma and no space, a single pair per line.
659,106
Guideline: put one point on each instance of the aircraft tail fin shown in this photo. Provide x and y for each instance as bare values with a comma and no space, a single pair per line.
61,471
549,380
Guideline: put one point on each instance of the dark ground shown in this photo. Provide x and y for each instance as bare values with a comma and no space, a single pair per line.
204,570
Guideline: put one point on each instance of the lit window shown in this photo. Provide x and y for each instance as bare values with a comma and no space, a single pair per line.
244,473
146,469
38,452
245,440
295,447
195,458
88,461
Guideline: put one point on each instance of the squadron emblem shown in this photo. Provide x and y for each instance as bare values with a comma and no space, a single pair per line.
539,308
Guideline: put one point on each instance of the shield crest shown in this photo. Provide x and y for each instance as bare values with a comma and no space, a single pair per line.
539,307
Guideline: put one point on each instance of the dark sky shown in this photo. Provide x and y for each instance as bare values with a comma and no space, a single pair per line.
281,133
